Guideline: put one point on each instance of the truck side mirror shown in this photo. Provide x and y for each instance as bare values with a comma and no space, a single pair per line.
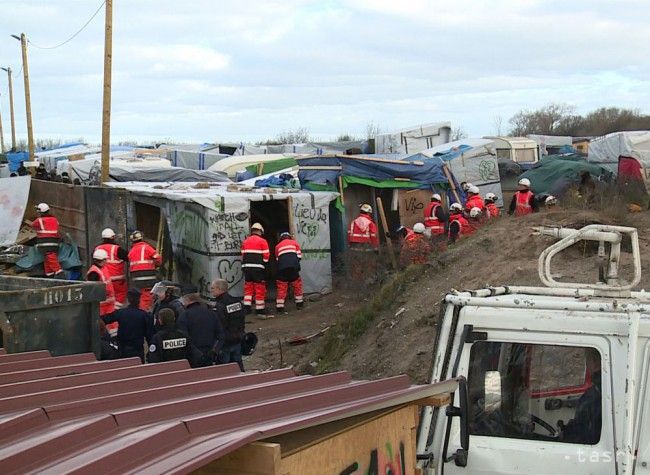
462,411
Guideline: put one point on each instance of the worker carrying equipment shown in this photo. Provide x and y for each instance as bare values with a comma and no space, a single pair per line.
288,256
143,261
115,268
523,201
255,255
47,240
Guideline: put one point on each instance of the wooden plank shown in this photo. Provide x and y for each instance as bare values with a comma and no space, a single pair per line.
388,441
445,168
438,400
384,225
258,458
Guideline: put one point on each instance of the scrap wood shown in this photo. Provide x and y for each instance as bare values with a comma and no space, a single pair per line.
301,340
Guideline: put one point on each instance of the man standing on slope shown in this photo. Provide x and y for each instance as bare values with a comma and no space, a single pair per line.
114,268
47,240
363,239
255,255
143,261
523,201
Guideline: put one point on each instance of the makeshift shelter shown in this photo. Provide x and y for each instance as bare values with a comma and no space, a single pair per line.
238,163
470,160
404,187
70,152
552,144
121,162
200,157
630,150
206,226
556,173
509,172
413,139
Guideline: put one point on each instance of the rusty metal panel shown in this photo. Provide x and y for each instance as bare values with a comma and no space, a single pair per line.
58,315
57,371
26,365
67,203
107,208
28,355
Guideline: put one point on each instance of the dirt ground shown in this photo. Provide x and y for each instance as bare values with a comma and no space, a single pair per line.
400,337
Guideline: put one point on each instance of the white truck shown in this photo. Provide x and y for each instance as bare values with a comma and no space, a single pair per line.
553,379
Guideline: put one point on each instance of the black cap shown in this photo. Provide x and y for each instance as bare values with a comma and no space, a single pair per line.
189,289
133,293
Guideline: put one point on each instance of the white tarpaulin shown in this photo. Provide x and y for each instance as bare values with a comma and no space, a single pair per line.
413,139
13,201
207,227
628,144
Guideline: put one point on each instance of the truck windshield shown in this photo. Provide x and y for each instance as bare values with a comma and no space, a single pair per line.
539,392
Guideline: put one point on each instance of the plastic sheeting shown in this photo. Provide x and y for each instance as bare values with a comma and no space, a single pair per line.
195,159
237,163
413,139
88,170
627,144
326,170
14,192
207,227
173,174
470,160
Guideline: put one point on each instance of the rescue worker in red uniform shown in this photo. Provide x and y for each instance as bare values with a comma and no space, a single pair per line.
458,225
255,255
288,256
491,208
416,249
363,240
115,268
474,199
523,201
143,261
47,240
435,217
474,221
96,274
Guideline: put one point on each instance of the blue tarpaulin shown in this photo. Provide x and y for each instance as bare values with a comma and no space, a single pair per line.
14,159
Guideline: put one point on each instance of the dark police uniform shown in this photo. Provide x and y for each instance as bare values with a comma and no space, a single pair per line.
204,328
135,326
233,323
169,344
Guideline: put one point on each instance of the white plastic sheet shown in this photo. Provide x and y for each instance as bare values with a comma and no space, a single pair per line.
13,202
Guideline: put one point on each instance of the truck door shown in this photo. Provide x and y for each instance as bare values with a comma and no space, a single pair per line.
536,405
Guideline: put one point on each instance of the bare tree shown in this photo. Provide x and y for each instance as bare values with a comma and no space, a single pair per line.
546,120
458,133
372,130
497,124
299,135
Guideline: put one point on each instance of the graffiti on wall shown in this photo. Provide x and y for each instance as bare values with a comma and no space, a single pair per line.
308,222
384,461
227,231
189,228
411,206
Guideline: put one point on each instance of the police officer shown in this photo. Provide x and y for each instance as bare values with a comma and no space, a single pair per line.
169,343
233,324
165,297
203,326
135,326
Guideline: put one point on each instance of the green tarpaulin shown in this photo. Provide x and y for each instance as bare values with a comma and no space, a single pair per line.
555,169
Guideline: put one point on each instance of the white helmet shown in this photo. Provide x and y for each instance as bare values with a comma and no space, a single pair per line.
455,207
100,255
42,208
466,186
258,226
491,197
436,197
473,189
524,182
475,212
108,233
550,200
366,208
418,228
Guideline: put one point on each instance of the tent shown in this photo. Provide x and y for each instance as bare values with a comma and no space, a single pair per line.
553,144
413,139
87,169
196,157
404,187
470,160
629,150
238,163
207,226
555,173
71,151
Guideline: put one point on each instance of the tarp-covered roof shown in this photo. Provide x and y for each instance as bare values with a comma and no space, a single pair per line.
566,169
627,144
175,174
325,170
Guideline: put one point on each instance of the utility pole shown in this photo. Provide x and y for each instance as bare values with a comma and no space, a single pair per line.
106,110
2,137
28,101
11,110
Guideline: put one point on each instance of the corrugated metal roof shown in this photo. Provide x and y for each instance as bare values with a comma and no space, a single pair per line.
75,414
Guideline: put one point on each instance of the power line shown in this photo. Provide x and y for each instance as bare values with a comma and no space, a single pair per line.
73,36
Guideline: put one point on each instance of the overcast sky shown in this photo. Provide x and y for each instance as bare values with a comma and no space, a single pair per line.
202,70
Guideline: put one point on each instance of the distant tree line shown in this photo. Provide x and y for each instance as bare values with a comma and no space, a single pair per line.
561,119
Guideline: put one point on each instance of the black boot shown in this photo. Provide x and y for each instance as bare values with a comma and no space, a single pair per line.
300,305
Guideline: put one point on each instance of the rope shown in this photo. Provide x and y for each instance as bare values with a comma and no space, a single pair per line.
73,36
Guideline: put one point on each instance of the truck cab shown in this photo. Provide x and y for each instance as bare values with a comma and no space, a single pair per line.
555,378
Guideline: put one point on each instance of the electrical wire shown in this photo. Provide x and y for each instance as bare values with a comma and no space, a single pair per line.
73,36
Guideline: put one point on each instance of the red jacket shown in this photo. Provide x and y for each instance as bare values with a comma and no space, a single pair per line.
143,257
410,235
493,210
255,252
465,228
416,250
431,221
46,227
105,306
474,201
288,254
114,267
523,206
363,230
